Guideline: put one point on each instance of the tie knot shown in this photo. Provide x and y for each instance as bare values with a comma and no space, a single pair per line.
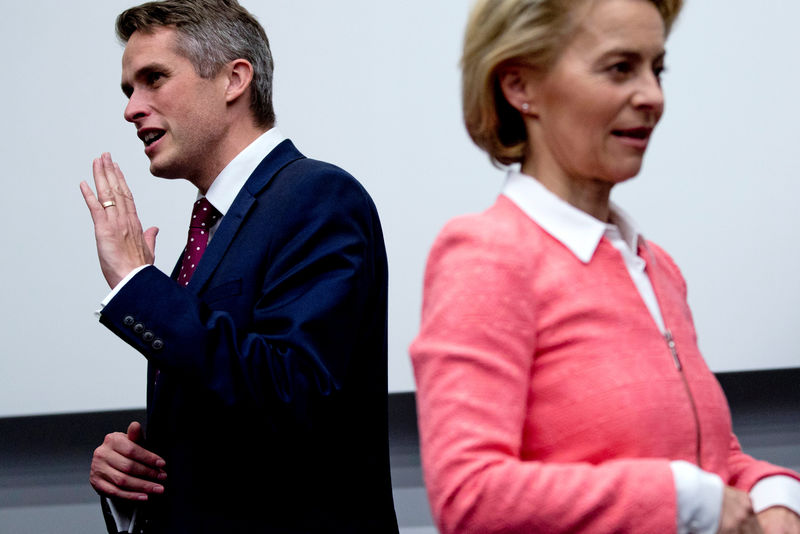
204,215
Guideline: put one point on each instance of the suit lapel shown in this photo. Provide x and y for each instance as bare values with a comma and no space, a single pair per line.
277,159
282,155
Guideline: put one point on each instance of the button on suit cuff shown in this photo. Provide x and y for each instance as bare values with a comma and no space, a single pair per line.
117,289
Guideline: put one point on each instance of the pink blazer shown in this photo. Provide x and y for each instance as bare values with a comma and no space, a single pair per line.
548,399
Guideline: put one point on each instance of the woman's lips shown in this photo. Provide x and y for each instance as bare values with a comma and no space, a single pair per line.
637,137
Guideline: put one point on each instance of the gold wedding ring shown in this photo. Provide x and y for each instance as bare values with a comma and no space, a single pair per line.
108,204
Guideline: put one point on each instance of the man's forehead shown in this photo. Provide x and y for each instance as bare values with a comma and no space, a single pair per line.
144,45
146,50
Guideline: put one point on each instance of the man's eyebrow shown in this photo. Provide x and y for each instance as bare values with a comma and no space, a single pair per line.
143,72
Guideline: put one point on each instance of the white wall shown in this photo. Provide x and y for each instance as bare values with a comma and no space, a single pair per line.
374,87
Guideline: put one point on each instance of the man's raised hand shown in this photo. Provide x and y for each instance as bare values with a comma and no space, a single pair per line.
122,246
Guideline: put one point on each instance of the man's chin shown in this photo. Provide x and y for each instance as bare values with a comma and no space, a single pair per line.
163,171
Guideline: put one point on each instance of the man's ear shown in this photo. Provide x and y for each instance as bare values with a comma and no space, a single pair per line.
518,85
240,75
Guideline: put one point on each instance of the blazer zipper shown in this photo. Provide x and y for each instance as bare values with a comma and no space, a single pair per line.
676,359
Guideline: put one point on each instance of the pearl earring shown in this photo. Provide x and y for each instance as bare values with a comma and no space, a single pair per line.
525,107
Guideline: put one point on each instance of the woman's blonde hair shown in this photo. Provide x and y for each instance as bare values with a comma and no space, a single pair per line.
500,32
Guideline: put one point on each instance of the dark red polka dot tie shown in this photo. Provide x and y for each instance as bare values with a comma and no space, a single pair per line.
204,216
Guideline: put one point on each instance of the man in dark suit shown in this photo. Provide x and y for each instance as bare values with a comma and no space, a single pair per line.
266,408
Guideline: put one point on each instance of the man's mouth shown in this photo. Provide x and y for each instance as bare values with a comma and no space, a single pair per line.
151,136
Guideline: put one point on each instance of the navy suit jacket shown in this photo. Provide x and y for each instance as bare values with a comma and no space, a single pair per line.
270,401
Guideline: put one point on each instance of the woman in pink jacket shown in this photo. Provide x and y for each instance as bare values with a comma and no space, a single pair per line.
560,387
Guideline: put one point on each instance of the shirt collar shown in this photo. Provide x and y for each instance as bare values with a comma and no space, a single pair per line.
229,182
577,230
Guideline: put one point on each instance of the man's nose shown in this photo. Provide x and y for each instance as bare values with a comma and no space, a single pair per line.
136,108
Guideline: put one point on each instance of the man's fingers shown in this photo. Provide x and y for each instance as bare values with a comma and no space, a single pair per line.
118,468
110,481
118,231
126,473
95,209
108,171
122,187
135,433
126,196
125,469
111,186
120,194
101,185
115,178
150,239
134,452
106,488
120,444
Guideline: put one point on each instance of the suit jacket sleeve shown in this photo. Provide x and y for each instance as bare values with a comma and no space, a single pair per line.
298,290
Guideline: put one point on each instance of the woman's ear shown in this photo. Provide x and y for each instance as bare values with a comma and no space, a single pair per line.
517,84
240,75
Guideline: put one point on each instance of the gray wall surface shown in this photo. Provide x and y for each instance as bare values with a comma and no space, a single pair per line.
44,460
380,98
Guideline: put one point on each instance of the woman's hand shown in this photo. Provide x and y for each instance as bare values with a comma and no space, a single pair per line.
779,520
737,515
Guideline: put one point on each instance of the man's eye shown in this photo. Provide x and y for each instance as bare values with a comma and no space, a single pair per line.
623,67
154,77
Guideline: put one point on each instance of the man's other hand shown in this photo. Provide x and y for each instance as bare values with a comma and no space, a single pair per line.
124,469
